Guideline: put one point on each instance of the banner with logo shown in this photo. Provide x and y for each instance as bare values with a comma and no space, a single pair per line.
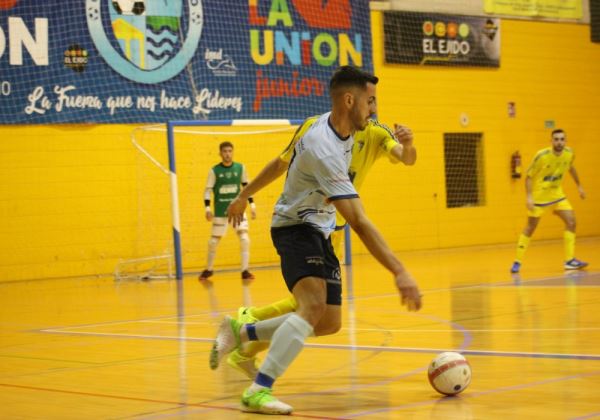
564,9
115,61
443,40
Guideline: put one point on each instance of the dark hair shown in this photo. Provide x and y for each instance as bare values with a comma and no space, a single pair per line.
348,76
557,131
224,145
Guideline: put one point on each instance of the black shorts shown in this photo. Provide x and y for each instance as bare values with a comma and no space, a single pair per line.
304,252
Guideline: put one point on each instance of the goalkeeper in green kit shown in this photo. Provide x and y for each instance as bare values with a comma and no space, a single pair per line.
224,182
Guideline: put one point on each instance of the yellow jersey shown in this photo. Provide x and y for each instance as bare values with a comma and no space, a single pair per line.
546,172
375,141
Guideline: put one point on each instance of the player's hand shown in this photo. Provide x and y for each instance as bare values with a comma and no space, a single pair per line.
403,134
409,291
529,204
581,192
235,211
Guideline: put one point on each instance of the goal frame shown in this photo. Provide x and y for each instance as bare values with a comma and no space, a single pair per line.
171,172
174,186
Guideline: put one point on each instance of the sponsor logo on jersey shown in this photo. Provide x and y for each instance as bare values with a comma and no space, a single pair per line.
228,189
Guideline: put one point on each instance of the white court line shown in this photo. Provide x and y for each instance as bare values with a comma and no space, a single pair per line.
383,349
131,321
149,321
480,330
412,330
399,330
152,337
507,284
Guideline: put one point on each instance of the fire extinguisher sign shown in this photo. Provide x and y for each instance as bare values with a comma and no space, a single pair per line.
515,165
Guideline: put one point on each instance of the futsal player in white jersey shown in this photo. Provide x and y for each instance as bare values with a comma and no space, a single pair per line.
316,185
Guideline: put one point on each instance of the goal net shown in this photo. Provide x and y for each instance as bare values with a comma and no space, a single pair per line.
150,61
172,232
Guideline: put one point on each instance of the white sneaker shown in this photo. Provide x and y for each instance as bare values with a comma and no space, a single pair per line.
575,264
228,339
263,402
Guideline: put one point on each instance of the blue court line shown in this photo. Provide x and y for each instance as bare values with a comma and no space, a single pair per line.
586,416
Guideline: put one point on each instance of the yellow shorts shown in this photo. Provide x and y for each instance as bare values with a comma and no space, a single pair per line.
538,210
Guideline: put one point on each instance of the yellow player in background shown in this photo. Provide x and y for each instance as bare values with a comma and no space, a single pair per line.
544,192
370,144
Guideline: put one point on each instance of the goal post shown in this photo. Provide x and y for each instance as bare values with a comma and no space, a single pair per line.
171,127
173,162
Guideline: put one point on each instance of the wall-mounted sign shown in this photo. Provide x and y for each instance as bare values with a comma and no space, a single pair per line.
436,39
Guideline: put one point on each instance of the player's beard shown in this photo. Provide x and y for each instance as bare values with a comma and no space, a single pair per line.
358,121
558,149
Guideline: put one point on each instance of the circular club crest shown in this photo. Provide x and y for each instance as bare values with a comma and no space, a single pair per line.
140,39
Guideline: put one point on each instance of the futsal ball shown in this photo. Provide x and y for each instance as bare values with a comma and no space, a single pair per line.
449,373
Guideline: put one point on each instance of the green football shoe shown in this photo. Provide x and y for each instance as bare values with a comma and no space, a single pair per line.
263,402
228,339
237,359
245,316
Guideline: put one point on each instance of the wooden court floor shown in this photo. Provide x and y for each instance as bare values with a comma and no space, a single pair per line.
97,349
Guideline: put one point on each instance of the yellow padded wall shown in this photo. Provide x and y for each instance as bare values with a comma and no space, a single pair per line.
551,71
70,203
67,197
76,199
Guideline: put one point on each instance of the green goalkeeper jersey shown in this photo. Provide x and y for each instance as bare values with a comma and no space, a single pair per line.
225,183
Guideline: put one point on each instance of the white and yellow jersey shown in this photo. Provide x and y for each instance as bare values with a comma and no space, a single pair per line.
547,172
317,176
288,152
375,141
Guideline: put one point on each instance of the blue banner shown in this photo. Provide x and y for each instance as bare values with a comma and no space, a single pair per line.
116,61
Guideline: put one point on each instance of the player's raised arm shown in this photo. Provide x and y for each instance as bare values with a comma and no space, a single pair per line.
273,170
405,151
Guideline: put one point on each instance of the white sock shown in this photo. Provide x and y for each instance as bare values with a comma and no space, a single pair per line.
265,329
245,249
212,252
286,344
